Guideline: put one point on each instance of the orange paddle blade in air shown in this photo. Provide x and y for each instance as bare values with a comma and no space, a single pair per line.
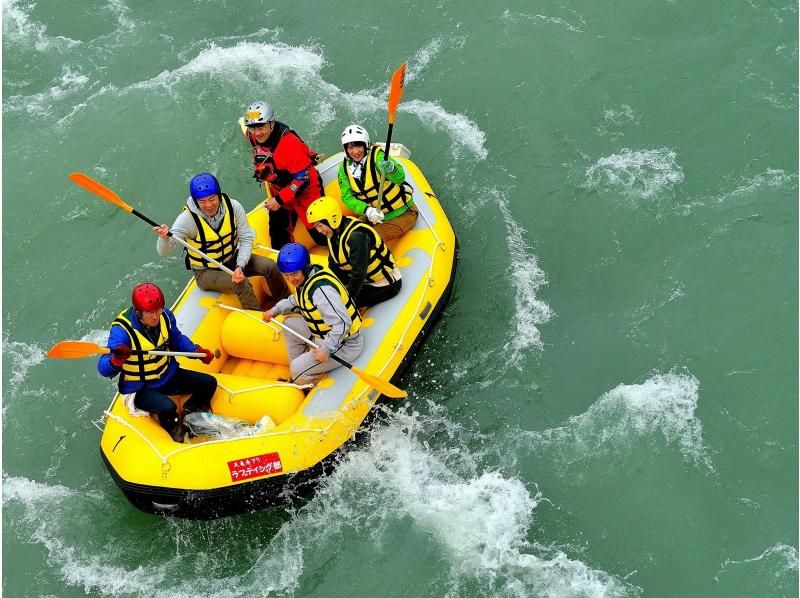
76,350
396,90
92,186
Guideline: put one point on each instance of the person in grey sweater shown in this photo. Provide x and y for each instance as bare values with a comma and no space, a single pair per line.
328,314
217,225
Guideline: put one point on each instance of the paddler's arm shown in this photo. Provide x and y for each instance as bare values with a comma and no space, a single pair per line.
359,256
183,228
398,175
116,337
334,313
281,308
293,156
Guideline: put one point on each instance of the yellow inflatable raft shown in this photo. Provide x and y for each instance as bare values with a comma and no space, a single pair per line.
302,434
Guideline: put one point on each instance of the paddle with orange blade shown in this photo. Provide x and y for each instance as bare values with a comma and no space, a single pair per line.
382,386
80,349
395,93
92,186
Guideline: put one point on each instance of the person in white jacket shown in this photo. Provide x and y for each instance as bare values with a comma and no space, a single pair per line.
217,225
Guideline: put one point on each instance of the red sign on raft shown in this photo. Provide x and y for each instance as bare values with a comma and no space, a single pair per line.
254,467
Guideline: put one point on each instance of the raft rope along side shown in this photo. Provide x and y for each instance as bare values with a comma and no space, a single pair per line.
165,457
118,419
231,392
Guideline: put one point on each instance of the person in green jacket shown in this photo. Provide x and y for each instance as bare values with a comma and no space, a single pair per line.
360,176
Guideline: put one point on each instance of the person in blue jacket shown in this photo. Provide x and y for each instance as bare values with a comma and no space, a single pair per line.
147,326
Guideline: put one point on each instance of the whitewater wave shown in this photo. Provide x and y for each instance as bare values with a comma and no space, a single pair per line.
71,82
478,521
20,29
23,357
642,174
663,405
527,278
273,64
615,119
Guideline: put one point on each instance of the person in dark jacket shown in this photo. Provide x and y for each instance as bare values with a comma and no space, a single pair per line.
358,256
147,326
284,162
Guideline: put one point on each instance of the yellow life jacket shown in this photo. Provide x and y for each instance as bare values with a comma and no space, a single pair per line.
312,315
394,196
142,367
221,244
380,263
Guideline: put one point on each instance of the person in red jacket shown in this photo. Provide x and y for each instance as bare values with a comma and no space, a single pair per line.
283,161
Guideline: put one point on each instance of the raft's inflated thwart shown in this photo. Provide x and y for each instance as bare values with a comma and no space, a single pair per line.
211,478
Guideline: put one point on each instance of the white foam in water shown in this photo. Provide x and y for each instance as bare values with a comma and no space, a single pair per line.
614,119
29,492
516,17
527,278
41,104
480,519
23,358
419,62
18,28
421,58
664,405
122,12
770,178
274,63
54,517
636,174
271,63
460,128
783,555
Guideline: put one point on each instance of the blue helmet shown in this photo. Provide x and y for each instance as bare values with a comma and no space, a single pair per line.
203,185
294,257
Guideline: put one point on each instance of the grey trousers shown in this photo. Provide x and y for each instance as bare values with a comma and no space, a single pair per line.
304,368
212,279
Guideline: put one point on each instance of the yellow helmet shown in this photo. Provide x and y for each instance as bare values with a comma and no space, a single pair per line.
325,210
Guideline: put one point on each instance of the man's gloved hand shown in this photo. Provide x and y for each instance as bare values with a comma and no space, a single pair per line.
119,355
387,166
374,215
209,356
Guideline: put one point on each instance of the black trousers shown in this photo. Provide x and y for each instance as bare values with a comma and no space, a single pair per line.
281,225
369,295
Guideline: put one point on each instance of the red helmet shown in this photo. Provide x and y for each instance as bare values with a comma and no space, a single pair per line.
147,297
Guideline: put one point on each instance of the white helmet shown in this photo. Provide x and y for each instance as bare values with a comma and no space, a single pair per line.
258,113
354,133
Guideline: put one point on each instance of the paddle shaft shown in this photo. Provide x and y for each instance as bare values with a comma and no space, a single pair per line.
78,349
191,248
107,194
285,328
386,388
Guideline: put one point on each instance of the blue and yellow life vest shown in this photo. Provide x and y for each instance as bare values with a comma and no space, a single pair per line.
140,366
